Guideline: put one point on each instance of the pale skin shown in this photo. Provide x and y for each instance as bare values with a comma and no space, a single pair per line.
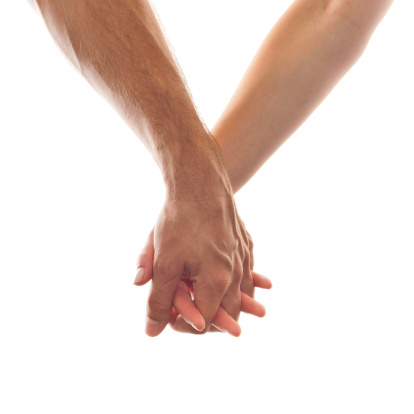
307,52
119,48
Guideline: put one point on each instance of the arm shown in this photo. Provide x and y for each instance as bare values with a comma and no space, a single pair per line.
118,47
115,45
304,56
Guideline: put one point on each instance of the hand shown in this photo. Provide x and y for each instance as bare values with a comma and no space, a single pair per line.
205,242
184,307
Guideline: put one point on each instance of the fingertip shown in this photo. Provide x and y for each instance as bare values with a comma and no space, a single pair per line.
199,323
186,307
261,281
153,328
198,326
139,276
181,325
231,327
236,331
266,283
260,310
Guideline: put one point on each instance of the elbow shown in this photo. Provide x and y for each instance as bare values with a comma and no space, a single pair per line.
364,15
354,22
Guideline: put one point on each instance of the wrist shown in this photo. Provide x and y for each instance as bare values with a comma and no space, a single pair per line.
196,171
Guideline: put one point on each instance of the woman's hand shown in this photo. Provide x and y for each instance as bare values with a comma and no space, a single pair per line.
184,308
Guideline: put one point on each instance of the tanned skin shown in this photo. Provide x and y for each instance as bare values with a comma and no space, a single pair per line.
119,48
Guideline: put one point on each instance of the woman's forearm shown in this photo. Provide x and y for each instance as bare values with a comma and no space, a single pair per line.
304,56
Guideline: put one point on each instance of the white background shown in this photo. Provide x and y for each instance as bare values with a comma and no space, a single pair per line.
331,215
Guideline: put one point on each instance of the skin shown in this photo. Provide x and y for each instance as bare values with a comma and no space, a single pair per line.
119,48
308,51
186,313
304,56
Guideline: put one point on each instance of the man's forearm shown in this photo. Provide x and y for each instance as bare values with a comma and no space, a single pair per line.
304,56
118,46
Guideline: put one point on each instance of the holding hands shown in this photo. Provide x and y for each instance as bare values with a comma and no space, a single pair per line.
184,308
199,255
200,259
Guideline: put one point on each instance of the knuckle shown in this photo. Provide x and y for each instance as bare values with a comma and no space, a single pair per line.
246,253
224,259
238,274
248,258
167,268
227,262
250,242
251,262
222,284
219,284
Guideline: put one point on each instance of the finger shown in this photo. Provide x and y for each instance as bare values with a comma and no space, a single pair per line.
185,306
177,325
180,325
225,323
164,284
231,302
249,305
173,317
247,284
261,281
251,252
208,295
145,262
213,329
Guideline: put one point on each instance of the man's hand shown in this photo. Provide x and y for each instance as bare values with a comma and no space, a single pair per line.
205,242
184,308
118,46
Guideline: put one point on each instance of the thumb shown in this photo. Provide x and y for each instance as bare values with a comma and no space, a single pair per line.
145,261
208,294
160,300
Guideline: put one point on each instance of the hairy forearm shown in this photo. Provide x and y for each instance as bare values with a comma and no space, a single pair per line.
118,47
304,56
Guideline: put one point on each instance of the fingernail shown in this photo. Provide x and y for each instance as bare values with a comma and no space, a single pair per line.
153,328
139,276
190,323
195,327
